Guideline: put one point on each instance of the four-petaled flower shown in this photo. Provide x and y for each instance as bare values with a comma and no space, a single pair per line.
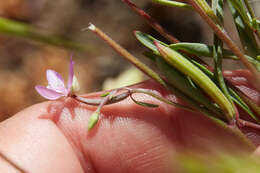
56,87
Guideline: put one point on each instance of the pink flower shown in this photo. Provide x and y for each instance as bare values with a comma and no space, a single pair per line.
56,87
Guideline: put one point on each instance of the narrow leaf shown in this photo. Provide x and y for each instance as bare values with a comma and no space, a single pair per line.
200,49
173,4
148,41
149,105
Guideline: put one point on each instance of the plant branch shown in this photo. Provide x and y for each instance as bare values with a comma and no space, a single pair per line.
141,66
226,39
152,22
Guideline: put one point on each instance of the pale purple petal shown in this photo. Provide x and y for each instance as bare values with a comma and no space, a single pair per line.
48,93
71,74
55,82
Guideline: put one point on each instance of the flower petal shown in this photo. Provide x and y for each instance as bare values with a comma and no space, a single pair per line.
71,74
48,93
55,82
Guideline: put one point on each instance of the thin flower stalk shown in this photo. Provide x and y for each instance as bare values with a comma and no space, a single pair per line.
93,120
124,95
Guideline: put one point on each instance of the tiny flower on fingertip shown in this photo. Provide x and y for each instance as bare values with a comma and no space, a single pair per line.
56,87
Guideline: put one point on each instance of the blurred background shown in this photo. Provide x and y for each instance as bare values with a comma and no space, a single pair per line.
23,62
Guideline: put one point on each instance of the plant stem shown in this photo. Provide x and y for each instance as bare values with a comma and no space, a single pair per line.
124,95
141,66
97,101
243,123
23,30
152,22
155,25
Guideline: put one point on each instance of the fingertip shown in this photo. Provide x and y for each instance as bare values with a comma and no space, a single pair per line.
37,144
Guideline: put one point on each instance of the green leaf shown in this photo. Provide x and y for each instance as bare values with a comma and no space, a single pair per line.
185,66
152,56
149,105
200,49
173,4
236,98
161,98
252,104
148,41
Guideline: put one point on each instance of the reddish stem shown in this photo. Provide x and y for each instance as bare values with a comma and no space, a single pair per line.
152,22
244,123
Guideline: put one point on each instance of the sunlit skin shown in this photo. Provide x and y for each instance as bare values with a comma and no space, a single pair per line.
128,137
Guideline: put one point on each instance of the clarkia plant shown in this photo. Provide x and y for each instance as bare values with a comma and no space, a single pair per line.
182,70
204,88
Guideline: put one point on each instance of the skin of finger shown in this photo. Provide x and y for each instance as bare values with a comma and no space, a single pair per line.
130,138
36,145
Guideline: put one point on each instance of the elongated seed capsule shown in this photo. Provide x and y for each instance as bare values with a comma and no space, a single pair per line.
185,66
